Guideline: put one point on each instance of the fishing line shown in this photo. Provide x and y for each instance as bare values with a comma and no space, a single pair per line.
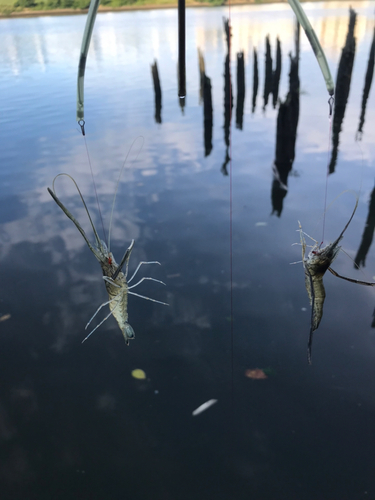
322,61
331,102
81,123
89,26
231,206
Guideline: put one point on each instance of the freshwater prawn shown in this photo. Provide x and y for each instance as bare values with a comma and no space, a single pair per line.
315,265
114,275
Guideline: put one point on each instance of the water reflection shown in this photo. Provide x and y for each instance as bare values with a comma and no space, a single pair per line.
286,134
368,234
205,95
240,89
255,80
343,80
228,100
202,72
267,73
157,89
174,203
367,86
276,73
207,113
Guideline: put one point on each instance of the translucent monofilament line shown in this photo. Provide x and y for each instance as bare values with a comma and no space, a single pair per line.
96,191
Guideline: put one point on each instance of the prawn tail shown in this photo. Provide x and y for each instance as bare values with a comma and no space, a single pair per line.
128,333
316,292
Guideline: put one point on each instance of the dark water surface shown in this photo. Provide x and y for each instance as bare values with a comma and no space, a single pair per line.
74,423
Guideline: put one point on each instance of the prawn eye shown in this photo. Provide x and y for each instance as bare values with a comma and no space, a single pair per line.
110,261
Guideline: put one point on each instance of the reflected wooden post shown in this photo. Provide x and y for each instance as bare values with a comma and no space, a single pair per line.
286,134
207,112
240,89
181,49
255,80
367,87
202,73
157,88
276,74
343,80
268,73
367,236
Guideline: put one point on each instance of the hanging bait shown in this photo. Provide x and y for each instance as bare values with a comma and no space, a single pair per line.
317,262
115,278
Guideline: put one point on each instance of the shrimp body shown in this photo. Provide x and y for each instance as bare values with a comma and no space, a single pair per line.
315,265
317,262
114,275
117,290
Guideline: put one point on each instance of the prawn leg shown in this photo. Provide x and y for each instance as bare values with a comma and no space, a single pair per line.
105,319
139,265
98,309
352,280
146,278
148,298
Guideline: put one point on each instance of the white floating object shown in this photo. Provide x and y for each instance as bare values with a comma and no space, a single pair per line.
260,224
204,407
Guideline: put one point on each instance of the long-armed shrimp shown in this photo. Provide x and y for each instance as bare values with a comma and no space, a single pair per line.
115,279
317,262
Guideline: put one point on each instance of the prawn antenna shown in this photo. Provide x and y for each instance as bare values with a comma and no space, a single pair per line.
331,102
118,183
96,192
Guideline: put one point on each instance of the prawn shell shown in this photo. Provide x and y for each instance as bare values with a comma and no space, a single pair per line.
118,306
316,265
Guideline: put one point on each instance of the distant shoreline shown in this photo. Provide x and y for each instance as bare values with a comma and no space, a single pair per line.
152,6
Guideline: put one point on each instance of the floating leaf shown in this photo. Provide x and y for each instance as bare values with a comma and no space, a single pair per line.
139,374
256,373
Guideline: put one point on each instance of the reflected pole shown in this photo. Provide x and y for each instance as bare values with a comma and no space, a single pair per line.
181,49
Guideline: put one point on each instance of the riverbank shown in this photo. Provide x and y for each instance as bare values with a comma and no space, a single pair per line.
7,9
